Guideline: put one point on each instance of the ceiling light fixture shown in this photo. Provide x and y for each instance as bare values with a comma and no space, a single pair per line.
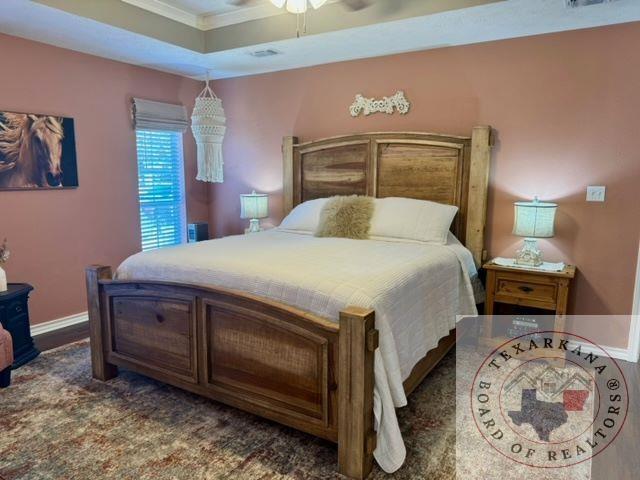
298,6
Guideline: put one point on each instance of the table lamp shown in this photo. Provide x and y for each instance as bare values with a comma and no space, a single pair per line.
254,206
533,220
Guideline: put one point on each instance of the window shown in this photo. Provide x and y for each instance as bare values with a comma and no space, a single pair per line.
161,188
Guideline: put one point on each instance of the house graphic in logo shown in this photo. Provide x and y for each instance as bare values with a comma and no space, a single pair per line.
547,396
550,382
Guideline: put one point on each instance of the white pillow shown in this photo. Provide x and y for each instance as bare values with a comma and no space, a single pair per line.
409,219
305,217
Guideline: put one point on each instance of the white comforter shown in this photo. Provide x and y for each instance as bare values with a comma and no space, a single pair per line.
415,289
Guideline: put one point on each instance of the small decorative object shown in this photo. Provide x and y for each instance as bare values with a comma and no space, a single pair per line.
4,256
197,232
384,105
208,127
37,152
254,206
533,220
521,326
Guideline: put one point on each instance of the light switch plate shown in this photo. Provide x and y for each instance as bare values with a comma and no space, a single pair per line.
595,193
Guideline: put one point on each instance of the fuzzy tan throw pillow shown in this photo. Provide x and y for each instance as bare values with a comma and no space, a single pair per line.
346,217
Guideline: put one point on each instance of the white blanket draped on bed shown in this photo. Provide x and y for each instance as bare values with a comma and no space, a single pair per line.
415,289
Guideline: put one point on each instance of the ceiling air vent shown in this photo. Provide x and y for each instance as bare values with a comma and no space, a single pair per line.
269,52
585,3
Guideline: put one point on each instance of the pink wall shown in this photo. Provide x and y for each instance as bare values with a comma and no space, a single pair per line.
53,235
565,107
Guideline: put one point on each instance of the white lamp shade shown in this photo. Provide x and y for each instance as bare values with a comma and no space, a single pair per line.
534,219
254,205
297,6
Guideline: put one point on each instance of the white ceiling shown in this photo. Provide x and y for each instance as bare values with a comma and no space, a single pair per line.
495,21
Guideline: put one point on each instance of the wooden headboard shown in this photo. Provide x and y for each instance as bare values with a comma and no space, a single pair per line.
441,168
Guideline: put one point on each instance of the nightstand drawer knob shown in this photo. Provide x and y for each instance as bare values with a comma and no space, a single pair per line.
525,289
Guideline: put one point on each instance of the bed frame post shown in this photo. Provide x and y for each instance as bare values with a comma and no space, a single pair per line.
101,369
288,174
481,141
358,340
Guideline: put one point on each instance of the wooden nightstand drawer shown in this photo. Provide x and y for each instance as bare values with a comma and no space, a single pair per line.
512,290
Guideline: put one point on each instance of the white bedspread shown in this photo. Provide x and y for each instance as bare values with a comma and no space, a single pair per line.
415,289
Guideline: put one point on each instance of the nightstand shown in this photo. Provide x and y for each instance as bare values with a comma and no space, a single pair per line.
526,287
14,316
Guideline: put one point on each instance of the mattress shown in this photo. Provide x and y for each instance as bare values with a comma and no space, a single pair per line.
417,291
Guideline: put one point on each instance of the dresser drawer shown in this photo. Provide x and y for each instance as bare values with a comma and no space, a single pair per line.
155,333
534,291
14,308
14,316
18,327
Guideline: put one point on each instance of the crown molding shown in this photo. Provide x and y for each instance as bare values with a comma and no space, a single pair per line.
207,21
169,11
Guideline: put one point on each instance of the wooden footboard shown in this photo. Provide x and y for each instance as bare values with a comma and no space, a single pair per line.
252,353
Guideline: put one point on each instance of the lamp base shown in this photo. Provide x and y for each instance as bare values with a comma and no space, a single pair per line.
254,226
529,254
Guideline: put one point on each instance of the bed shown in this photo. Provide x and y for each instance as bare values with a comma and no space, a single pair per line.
284,325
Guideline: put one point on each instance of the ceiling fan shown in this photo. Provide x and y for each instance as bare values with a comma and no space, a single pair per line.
301,6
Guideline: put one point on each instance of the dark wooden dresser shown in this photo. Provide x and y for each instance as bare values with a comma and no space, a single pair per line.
14,316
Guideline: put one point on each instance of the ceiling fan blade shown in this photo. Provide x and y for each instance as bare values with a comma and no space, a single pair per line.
355,5
238,3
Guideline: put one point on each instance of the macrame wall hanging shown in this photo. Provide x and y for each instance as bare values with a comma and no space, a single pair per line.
208,127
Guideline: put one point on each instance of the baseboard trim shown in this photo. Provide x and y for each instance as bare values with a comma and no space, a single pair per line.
60,323
614,352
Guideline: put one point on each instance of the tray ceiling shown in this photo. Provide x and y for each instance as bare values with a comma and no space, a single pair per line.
121,31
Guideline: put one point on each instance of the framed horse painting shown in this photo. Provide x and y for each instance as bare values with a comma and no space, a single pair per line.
37,152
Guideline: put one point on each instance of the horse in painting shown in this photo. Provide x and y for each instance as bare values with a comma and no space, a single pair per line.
30,151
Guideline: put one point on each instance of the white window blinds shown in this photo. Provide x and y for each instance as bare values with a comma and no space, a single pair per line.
161,188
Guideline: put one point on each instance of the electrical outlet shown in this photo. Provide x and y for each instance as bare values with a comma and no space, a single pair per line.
595,193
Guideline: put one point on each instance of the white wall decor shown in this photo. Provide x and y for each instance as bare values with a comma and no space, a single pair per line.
384,105
208,127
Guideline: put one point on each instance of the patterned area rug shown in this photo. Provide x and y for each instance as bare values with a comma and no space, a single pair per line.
56,422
